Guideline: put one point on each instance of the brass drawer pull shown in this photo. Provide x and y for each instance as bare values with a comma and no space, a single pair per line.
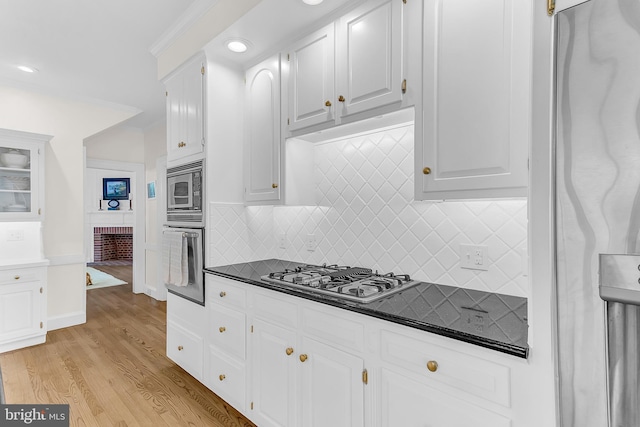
341,98
432,365
180,348
289,351
274,185
426,170
222,329
223,294
222,377
16,277
327,104
303,358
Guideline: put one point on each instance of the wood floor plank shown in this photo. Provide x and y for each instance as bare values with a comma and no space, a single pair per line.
113,370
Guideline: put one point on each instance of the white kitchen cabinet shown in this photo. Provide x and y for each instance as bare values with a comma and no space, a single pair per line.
22,175
352,66
274,364
409,403
226,338
298,380
331,386
185,90
23,307
262,133
472,141
311,79
186,321
369,57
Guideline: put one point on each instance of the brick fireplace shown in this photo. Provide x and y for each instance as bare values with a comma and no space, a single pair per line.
112,243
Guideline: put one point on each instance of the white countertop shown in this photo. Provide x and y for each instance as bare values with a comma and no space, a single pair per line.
23,263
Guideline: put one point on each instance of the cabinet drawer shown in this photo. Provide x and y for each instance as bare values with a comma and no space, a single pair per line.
455,371
226,378
223,291
19,275
275,309
228,330
185,348
329,326
189,315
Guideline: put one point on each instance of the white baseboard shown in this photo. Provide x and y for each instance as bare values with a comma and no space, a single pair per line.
155,293
66,320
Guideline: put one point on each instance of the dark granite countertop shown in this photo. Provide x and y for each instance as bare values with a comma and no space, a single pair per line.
494,321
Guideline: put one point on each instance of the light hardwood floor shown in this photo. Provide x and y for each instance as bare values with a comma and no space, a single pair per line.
113,370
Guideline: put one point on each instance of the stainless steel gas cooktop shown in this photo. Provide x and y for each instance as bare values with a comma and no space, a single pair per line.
353,283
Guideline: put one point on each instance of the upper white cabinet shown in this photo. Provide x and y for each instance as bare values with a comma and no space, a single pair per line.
335,81
185,111
21,175
262,132
369,52
311,79
473,140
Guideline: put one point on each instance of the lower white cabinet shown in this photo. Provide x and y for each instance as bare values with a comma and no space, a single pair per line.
23,307
185,334
406,402
286,361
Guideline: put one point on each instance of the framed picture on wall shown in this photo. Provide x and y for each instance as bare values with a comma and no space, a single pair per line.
115,188
151,190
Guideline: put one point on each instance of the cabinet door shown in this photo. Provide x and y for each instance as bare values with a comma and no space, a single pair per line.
476,100
185,111
193,107
369,60
311,80
20,311
274,385
408,403
331,386
262,133
21,177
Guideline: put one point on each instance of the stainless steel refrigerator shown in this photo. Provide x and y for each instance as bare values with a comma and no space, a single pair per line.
597,209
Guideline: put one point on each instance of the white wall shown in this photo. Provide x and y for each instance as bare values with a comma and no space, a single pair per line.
70,122
120,144
155,146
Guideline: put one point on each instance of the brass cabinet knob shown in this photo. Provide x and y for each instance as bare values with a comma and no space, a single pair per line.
223,294
222,329
180,348
432,365
327,103
426,170
274,185
289,351
181,144
341,98
303,358
16,277
222,377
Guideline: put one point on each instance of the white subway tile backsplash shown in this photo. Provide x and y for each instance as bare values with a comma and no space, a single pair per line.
365,215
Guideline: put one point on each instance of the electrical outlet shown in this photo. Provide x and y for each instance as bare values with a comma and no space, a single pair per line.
282,241
474,257
15,235
474,321
311,242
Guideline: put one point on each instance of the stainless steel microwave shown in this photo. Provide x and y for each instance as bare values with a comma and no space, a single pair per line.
185,195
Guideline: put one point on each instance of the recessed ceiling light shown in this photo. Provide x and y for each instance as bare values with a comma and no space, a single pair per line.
27,69
237,45
312,2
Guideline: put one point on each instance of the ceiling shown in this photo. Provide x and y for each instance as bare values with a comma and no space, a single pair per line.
100,50
95,50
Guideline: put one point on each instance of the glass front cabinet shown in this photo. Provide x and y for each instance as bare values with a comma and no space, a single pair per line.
22,175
